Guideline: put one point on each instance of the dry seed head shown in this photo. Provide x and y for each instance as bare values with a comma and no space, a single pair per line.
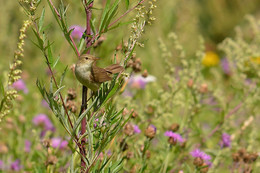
129,129
71,105
235,157
253,157
198,162
175,127
129,155
172,141
150,131
134,113
72,94
51,160
203,88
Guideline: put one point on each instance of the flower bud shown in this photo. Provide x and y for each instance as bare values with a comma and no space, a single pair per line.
134,113
150,110
51,160
174,127
172,141
125,111
203,88
72,94
145,73
46,143
198,162
235,157
253,157
246,158
129,129
150,131
129,155
71,105
190,83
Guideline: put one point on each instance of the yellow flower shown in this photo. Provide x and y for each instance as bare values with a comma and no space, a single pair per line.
210,59
255,60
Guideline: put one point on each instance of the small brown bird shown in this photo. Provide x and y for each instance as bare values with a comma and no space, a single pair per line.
91,76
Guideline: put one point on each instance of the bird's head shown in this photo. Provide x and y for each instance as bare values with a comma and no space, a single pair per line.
87,59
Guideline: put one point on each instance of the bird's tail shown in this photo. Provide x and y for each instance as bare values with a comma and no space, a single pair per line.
114,68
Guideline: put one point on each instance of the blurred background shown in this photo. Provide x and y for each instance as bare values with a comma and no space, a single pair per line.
214,20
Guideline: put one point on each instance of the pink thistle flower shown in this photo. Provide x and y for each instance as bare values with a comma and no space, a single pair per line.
16,166
197,153
27,146
77,31
225,141
136,129
175,136
43,121
59,143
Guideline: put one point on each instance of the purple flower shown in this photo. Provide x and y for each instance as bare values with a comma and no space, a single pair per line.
1,165
59,143
15,166
139,82
201,154
225,66
20,85
136,129
175,136
226,140
77,31
27,146
43,121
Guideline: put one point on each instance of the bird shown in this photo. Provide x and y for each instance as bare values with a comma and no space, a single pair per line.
92,76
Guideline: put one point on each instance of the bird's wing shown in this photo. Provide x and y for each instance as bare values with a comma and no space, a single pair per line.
100,74
114,68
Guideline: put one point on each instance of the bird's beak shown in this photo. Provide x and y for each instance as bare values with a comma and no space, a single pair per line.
95,58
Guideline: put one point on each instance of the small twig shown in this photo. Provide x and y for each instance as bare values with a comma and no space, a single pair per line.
128,11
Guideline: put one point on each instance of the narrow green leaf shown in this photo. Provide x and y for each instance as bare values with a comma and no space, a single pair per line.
40,41
41,20
90,143
58,91
83,115
49,53
56,62
104,15
2,88
127,4
63,76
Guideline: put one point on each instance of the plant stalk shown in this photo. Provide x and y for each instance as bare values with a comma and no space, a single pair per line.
84,88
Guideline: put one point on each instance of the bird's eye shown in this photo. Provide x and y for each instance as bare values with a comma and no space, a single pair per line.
86,58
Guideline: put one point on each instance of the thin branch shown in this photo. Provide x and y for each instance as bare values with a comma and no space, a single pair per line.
128,11
226,117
